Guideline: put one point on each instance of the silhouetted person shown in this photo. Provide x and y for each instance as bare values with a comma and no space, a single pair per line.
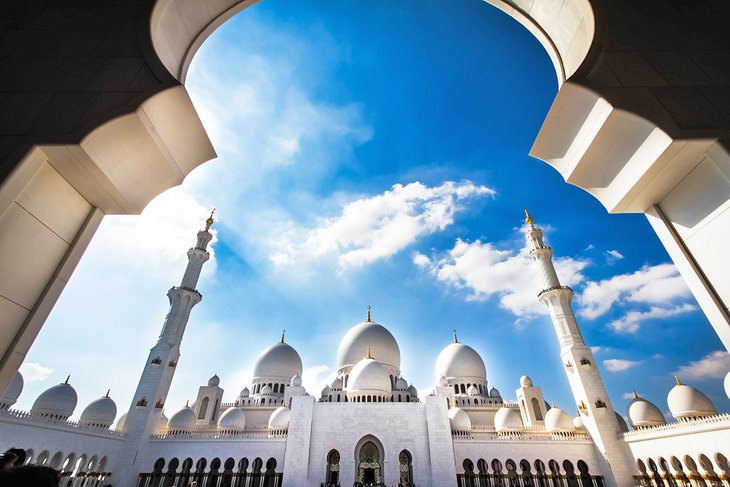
30,476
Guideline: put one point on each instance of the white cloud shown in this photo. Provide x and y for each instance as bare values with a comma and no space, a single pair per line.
612,256
628,395
34,372
712,366
598,349
314,378
630,322
650,284
377,227
485,271
619,365
420,260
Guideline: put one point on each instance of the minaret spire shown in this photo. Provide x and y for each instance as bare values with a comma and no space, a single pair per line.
369,320
455,340
585,381
282,335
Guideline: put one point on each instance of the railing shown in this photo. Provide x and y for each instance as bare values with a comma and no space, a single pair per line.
684,424
215,435
679,481
82,479
536,480
538,432
211,479
27,417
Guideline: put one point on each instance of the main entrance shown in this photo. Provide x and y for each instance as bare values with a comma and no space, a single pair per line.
369,470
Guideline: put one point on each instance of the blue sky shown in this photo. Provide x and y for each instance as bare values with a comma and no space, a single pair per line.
375,154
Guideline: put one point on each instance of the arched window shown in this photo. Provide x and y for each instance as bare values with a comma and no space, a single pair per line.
405,466
456,388
215,411
408,398
536,409
276,388
333,467
463,389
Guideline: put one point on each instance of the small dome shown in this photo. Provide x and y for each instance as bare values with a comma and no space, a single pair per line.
525,381
182,420
557,420
100,412
296,381
12,393
507,419
472,391
412,390
120,422
622,426
459,420
279,419
266,389
232,419
687,402
245,392
59,400
365,336
369,375
443,382
161,425
336,384
214,381
460,361
279,360
493,392
326,391
644,413
401,384
578,422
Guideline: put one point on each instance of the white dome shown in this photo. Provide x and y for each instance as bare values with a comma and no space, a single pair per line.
578,422
493,392
401,384
13,391
443,382
326,391
557,420
232,419
296,381
214,381
59,400
621,422
161,425
460,361
182,420
279,419
266,389
100,412
687,402
727,384
507,419
369,375
120,422
365,336
412,390
459,420
525,381
644,413
472,391
245,392
278,361
336,383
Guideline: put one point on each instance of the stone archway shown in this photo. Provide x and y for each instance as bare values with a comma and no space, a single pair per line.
369,462
102,124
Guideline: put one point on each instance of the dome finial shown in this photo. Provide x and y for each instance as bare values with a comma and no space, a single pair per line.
528,219
679,383
107,392
67,379
369,320
282,335
209,221
636,396
368,354
455,339
187,403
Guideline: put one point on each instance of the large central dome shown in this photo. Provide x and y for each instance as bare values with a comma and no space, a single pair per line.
279,360
460,361
368,335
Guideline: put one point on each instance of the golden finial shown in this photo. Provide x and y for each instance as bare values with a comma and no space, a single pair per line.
455,340
636,396
282,335
528,219
67,379
369,320
209,221
678,381
368,355
107,392
187,403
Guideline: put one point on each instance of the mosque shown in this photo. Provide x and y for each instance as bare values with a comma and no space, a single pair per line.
368,426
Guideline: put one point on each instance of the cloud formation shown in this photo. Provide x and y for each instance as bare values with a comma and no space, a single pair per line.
619,365
485,271
34,372
714,365
377,227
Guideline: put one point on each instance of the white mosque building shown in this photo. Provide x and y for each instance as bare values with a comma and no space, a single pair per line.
368,425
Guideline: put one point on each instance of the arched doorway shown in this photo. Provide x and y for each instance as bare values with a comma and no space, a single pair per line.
333,468
405,467
369,464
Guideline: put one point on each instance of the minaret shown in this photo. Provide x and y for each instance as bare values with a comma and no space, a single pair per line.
145,412
585,381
